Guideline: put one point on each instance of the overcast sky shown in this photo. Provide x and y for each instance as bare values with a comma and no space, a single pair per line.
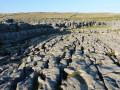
14,6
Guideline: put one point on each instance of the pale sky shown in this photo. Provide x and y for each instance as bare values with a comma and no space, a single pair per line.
83,6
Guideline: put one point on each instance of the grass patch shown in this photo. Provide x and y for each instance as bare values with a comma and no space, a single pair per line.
81,30
40,86
111,54
15,58
96,32
90,27
64,48
118,60
40,16
99,63
117,31
71,47
74,74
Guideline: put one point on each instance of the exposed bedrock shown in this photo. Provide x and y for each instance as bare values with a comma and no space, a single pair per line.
80,60
10,25
11,31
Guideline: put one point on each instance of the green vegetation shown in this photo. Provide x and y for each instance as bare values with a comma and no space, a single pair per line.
97,16
117,31
40,86
74,74
72,47
118,60
67,47
15,58
39,16
83,29
96,32
98,40
111,54
90,27
99,63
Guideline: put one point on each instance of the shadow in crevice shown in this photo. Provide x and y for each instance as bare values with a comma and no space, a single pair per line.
111,81
88,68
82,82
25,35
12,83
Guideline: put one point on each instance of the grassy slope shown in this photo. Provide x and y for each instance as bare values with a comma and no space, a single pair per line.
38,16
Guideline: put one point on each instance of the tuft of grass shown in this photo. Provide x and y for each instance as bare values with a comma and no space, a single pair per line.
90,27
40,86
98,40
71,47
117,31
96,32
12,58
15,58
99,63
74,74
111,53
118,60
67,47
64,48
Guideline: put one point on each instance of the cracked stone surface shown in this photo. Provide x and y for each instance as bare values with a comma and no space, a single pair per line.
80,60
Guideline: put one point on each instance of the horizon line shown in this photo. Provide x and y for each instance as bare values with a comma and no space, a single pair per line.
61,12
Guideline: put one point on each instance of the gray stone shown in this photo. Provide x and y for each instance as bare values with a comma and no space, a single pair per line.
21,66
52,78
27,84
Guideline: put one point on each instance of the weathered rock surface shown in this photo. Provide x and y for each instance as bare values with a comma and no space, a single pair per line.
85,59
11,32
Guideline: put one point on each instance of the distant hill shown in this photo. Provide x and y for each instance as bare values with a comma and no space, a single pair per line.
38,16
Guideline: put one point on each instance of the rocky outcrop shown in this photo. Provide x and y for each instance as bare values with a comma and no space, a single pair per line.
10,25
85,59
11,31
